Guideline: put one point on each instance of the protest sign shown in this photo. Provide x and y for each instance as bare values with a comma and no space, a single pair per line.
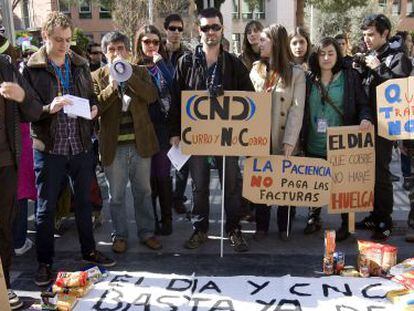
351,153
4,298
237,123
154,292
294,181
395,109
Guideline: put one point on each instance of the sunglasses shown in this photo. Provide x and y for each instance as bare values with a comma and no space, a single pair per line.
173,28
214,27
149,41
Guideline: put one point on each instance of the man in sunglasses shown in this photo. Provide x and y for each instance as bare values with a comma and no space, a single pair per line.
174,27
95,57
211,68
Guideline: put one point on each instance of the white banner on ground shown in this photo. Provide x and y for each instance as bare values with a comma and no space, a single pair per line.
153,292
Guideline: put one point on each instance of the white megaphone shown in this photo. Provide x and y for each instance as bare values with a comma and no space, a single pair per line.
120,70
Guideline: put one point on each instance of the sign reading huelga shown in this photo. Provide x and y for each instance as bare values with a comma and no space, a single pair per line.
237,123
395,109
295,181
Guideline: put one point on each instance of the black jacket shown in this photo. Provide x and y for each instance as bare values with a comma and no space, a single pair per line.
27,111
191,74
394,64
356,107
44,82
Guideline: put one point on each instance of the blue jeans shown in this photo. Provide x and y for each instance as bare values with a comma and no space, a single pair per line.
50,171
128,165
20,224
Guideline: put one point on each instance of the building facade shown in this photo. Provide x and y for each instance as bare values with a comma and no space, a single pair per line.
402,8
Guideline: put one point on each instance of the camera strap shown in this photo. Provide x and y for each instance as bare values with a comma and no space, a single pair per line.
326,98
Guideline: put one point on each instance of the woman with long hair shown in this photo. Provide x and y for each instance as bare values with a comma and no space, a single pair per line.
300,47
251,39
335,97
276,74
151,53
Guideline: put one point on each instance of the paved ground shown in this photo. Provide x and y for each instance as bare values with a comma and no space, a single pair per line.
301,256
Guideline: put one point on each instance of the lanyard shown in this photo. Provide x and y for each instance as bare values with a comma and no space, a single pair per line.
62,81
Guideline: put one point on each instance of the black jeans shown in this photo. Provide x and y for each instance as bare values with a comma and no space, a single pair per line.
200,173
263,217
181,177
383,191
50,170
8,182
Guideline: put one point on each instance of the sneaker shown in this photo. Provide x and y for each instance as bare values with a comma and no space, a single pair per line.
152,243
196,240
119,245
14,300
179,206
43,275
237,241
25,248
409,235
259,235
313,225
382,232
366,224
342,233
284,236
97,258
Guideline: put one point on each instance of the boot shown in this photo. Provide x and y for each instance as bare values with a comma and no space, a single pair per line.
154,194
166,201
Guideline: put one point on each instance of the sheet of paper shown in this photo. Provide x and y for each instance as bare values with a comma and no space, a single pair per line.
80,107
177,158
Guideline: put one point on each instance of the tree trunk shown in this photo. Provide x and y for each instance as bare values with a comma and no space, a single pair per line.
300,13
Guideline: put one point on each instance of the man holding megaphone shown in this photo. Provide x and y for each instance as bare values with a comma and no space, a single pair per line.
127,138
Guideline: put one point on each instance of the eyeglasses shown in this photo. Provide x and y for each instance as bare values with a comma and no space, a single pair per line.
95,52
207,28
149,41
173,29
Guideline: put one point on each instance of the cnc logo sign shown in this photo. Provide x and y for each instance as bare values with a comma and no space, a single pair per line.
237,123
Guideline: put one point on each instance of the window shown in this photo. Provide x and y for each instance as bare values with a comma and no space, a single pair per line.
253,9
410,8
85,9
64,7
382,3
396,7
104,11
236,9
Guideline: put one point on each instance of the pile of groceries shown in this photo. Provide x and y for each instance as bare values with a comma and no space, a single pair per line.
69,287
374,260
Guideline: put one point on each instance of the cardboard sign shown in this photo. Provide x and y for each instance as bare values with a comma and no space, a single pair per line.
237,123
138,291
295,181
351,153
4,297
395,109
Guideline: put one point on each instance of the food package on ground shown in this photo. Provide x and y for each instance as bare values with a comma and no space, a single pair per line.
350,272
71,279
66,302
395,295
78,292
94,274
405,266
328,265
330,244
406,279
380,257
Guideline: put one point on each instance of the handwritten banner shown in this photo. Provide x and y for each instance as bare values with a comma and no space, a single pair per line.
294,181
351,153
395,109
237,123
155,292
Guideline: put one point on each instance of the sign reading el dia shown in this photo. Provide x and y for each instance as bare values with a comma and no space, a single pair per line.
295,181
235,124
351,153
395,109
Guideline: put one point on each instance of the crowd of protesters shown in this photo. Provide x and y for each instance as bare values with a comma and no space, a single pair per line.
136,122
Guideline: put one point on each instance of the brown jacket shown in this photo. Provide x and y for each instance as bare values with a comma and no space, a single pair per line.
43,80
142,92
